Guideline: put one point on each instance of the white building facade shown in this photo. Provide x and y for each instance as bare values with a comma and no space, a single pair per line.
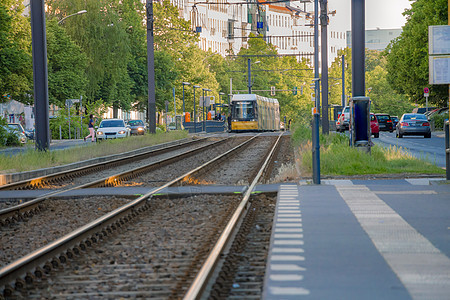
225,26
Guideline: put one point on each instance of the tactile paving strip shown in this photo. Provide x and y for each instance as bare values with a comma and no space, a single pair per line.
421,267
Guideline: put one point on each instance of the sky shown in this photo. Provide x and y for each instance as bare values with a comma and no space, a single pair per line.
385,14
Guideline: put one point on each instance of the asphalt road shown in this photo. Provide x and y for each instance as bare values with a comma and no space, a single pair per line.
432,150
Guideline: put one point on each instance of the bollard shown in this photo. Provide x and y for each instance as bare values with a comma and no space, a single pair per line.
316,149
447,150
60,133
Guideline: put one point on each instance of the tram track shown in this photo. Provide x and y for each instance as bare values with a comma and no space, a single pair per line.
134,212
33,206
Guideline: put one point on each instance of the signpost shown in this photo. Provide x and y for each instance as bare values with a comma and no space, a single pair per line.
439,64
426,92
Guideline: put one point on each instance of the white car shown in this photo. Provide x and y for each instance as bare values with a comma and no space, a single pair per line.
343,122
112,129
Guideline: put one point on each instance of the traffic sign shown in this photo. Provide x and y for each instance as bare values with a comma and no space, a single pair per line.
426,92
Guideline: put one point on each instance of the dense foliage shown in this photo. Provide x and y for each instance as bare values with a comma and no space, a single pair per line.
7,137
407,59
384,99
15,52
102,56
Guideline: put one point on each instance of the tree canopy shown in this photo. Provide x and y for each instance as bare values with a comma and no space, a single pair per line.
383,97
407,56
16,76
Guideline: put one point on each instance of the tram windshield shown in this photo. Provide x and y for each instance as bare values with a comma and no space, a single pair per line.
244,110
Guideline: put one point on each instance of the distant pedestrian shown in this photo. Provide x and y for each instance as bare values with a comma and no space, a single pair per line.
91,128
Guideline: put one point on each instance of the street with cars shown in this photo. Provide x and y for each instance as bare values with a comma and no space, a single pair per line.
431,149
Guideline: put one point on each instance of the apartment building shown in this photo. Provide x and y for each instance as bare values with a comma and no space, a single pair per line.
225,25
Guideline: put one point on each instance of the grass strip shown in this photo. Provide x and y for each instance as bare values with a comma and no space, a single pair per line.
337,158
33,160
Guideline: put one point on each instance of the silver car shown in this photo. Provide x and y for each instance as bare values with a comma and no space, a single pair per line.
137,127
413,124
19,131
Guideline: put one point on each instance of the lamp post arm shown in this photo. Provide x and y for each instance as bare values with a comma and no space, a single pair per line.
77,13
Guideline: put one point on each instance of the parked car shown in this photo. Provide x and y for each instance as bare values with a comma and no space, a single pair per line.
29,134
21,132
437,111
413,124
385,122
112,129
16,126
374,127
343,121
137,127
394,121
422,110
20,135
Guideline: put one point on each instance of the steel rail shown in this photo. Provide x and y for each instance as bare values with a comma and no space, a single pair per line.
35,182
204,275
16,211
88,233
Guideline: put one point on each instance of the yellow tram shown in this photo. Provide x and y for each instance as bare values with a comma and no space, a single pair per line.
251,112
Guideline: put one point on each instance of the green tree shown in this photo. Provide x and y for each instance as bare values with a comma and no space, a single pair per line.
284,73
172,32
407,56
166,74
133,12
383,97
102,35
66,66
15,52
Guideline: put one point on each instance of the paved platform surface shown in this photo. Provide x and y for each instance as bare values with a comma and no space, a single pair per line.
379,239
347,239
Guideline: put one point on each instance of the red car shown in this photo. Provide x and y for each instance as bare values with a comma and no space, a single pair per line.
374,127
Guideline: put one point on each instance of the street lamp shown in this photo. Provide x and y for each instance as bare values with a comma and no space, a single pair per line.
75,14
250,75
195,125
184,83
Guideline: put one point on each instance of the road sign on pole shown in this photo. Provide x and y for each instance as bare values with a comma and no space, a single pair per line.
426,92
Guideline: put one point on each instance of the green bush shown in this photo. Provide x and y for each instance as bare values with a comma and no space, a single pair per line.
7,138
439,121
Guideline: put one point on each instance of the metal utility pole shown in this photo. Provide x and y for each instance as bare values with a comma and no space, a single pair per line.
151,111
343,81
316,53
39,48
358,45
315,129
324,52
249,76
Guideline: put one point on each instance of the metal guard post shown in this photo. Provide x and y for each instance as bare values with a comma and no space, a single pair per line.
360,122
316,149
447,150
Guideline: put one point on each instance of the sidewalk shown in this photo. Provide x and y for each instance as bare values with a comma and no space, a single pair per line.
361,239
